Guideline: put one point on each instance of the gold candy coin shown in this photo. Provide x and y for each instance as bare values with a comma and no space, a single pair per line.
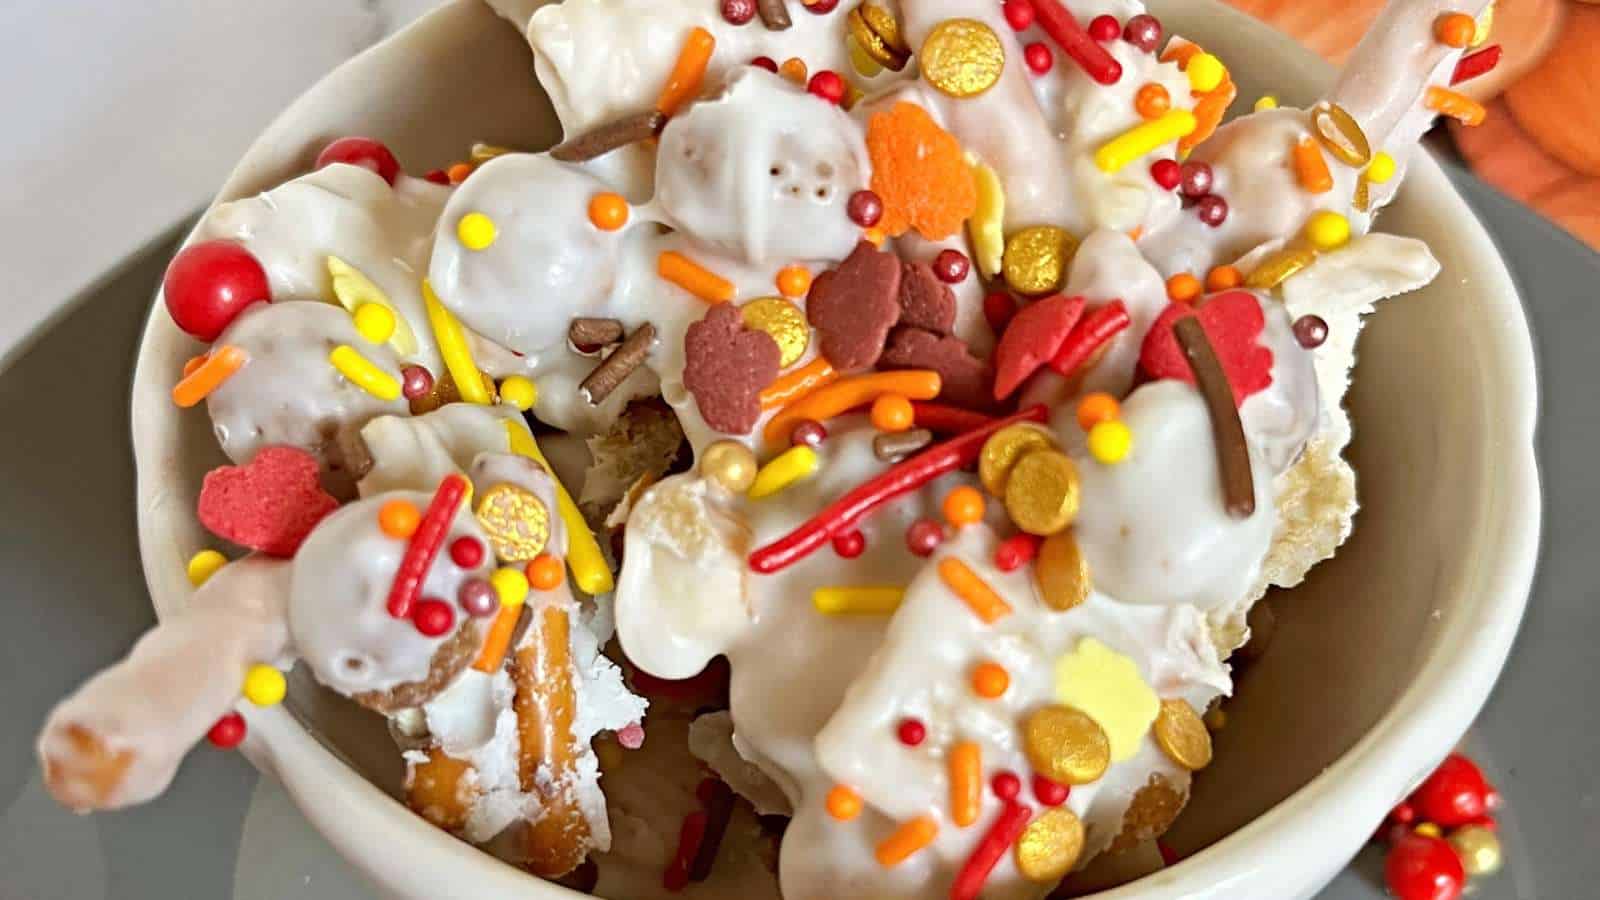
730,464
515,521
1153,810
1065,745
1041,495
962,57
1182,735
1002,451
1338,131
877,32
1035,260
1062,572
1279,267
1478,848
1049,847
784,322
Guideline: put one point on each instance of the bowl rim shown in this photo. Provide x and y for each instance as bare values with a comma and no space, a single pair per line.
356,815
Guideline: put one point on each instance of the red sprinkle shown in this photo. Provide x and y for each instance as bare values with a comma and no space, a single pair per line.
1049,792
999,838
1018,13
828,85
1039,58
903,478
690,836
1016,551
911,732
1094,59
1089,335
1169,856
424,545
229,732
1479,62
765,62
850,545
1167,173
1104,28
998,308
1006,785
944,419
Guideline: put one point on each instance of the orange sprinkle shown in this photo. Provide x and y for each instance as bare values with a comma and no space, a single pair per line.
458,172
846,394
1136,233
794,281
399,518
798,383
842,803
874,236
907,840
966,783
920,173
1223,278
499,639
973,591
198,384
990,680
963,506
1152,101
1455,29
794,69
545,572
1457,106
1183,287
694,278
194,362
1311,168
1181,53
608,211
892,413
1096,408
688,72
1208,112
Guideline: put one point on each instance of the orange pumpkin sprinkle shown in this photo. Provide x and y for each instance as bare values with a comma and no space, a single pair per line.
920,173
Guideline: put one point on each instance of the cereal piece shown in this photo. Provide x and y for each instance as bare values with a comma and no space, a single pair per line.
269,504
925,301
1032,339
1232,321
854,306
920,172
515,521
726,366
964,379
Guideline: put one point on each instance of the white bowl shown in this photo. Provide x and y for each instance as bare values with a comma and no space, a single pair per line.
1382,658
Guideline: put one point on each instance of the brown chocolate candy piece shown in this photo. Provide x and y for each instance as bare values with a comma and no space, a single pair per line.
726,366
967,380
1233,454
925,301
619,365
854,306
587,333
774,14
610,136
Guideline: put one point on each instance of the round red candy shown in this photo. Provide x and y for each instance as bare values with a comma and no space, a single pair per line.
1423,868
1166,172
1006,785
765,62
1050,793
466,552
208,284
850,545
738,12
1212,210
924,536
998,308
1455,794
952,266
433,617
415,381
865,208
364,152
822,7
1195,179
1018,13
911,732
1104,28
1038,57
828,85
229,731
808,433
1143,31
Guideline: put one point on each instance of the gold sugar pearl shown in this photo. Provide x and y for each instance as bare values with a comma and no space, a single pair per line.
1050,846
1036,259
1182,735
1002,451
962,57
1339,132
784,322
1062,572
730,464
515,521
1478,848
1279,267
1065,745
1041,495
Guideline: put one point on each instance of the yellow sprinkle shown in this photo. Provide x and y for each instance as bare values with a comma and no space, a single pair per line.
363,373
1123,149
476,231
354,290
1205,72
857,601
1428,829
519,392
1266,102
453,347
588,564
785,469
987,224
264,685
203,565
1381,168
1107,687
1110,442
1327,230
375,322
510,585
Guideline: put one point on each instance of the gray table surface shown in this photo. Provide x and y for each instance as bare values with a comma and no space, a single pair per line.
76,600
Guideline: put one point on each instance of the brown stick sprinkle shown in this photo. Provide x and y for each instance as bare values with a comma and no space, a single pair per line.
619,365
1233,454
610,136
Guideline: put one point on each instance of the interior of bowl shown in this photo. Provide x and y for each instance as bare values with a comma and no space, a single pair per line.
1427,407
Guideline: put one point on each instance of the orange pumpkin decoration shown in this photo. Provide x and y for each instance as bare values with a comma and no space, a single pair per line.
1558,103
1503,154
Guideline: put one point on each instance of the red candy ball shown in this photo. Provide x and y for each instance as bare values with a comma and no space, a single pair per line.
433,617
1212,210
364,152
1423,868
738,12
466,552
952,266
1166,172
438,176
911,732
828,85
924,536
478,598
1311,331
1019,13
1016,551
808,433
865,208
1038,57
415,381
1143,31
1104,28
765,62
208,284
229,731
1050,793
850,545
1006,785
1195,180
1455,794
821,7
998,308
1403,813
